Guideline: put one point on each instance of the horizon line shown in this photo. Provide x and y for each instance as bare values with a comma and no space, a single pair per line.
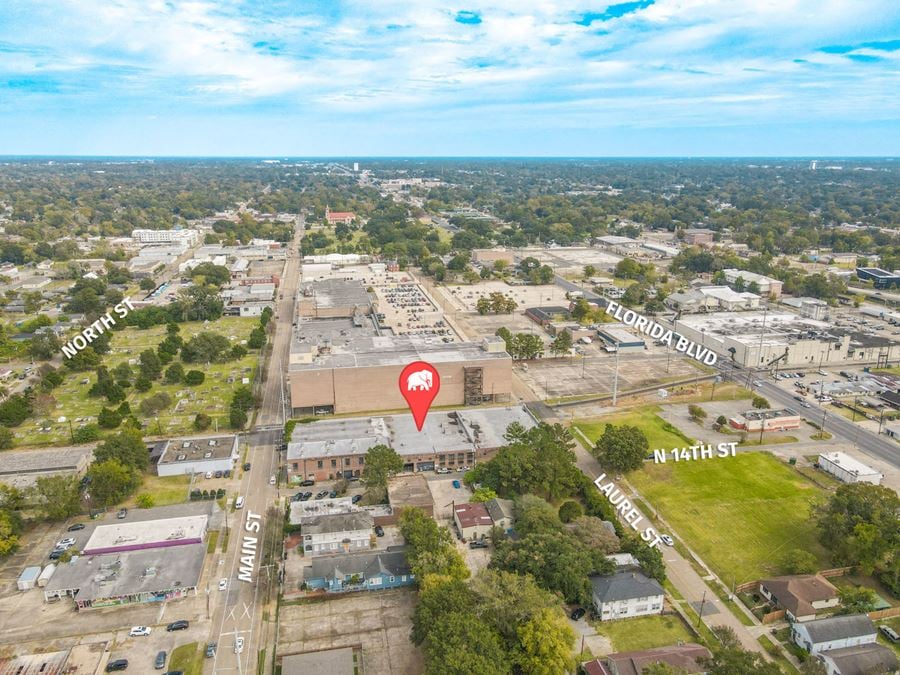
450,157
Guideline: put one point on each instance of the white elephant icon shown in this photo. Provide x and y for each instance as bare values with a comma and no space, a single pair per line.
419,381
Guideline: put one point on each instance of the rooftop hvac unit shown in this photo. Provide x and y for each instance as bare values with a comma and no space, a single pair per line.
181,458
186,444
150,571
213,443
207,455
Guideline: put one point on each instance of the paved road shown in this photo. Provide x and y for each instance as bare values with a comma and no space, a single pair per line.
239,610
571,286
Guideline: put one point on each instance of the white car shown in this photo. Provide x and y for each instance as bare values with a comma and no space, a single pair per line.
272,480
65,543
442,469
209,474
667,540
223,584
137,631
238,645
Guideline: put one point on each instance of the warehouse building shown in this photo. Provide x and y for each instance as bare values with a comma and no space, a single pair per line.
767,285
782,339
330,298
879,277
129,578
620,340
343,365
137,536
847,469
198,455
22,468
331,449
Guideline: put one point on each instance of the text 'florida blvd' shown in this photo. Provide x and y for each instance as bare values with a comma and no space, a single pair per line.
629,514
95,330
649,327
249,547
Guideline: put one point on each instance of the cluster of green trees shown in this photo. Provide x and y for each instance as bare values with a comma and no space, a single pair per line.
534,272
242,402
522,346
621,447
496,303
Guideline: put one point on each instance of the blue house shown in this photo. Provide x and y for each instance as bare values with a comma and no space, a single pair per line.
359,572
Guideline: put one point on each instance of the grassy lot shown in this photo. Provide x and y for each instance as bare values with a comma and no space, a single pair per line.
187,658
212,397
211,540
644,632
753,439
742,514
660,434
166,490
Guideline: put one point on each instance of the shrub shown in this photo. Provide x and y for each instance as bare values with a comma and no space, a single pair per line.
153,404
145,501
569,511
202,422
86,434
194,377
109,419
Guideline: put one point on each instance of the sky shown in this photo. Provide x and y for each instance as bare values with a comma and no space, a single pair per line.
421,78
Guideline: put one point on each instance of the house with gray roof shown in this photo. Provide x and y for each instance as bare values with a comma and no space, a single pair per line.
860,660
501,512
359,571
626,594
836,632
337,533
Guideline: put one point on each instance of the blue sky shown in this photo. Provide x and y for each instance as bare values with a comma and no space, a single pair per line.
501,77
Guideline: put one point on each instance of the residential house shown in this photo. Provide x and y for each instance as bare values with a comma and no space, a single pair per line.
836,632
339,532
501,512
359,571
472,520
685,658
860,660
800,595
626,594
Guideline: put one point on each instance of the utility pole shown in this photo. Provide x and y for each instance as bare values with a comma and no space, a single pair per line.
700,613
616,379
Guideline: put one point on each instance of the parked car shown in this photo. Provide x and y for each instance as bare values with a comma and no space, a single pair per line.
75,527
160,661
65,543
181,624
246,466
478,544
239,502
118,664
889,633
356,499
174,672
223,584
667,540
272,480
577,613
322,494
122,513
442,470
332,494
218,474
56,553
457,484
227,473
379,531
306,496
238,645
209,475
137,631
462,469
211,649
307,483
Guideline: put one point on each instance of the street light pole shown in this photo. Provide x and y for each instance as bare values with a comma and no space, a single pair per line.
616,379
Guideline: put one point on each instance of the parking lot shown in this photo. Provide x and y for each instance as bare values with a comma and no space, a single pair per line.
408,310
378,622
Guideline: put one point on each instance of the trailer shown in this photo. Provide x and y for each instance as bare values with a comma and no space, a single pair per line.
46,574
28,578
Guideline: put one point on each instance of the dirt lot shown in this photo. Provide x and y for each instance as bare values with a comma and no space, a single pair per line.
565,377
378,621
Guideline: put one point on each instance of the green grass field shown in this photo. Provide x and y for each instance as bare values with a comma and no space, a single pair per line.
212,397
187,658
660,434
166,490
644,632
742,514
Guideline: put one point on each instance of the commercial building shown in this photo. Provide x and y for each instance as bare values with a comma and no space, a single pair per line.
329,449
712,299
625,594
811,308
22,468
800,595
339,217
767,285
544,316
879,277
330,298
149,534
46,663
698,236
198,455
190,237
683,658
847,469
472,520
129,578
351,366
359,572
781,339
620,340
339,532
766,420
410,490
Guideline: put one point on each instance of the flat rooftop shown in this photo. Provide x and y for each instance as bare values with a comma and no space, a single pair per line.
200,448
443,431
767,414
162,533
409,490
849,463
43,461
619,336
330,293
132,572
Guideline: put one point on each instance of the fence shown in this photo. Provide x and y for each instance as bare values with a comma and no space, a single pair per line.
884,613
836,572
748,586
772,617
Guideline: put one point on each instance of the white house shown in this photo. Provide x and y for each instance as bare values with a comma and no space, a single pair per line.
337,533
198,455
626,594
836,632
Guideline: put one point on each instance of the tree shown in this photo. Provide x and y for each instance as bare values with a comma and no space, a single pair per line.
126,447
760,402
86,434
726,636
108,418
799,561
662,668
174,373
205,347
738,662
438,596
147,284
10,529
257,338
7,438
589,271
813,667
202,422
237,418
569,511
536,515
482,494
194,377
462,644
697,413
154,404
60,496
483,306
381,464
581,310
621,447
15,410
650,558
431,550
111,481
545,644
143,384
216,275
238,352
150,366
859,600
562,344
591,532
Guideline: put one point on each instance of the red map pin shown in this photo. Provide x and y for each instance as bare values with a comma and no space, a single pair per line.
419,384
